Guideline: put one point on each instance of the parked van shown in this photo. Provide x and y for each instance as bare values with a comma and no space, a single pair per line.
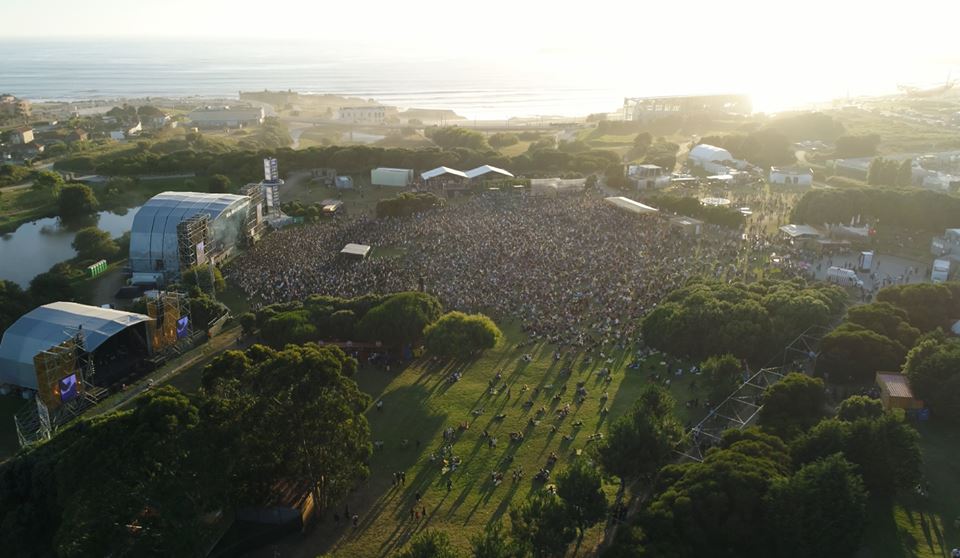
843,277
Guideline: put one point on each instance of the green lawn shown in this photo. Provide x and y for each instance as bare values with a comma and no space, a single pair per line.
20,205
518,148
915,526
419,403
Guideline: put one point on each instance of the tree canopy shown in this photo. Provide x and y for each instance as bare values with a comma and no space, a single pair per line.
76,200
449,137
819,511
721,374
933,368
152,476
459,335
92,243
218,184
642,439
542,526
755,321
765,147
859,406
579,486
884,449
401,319
922,210
793,405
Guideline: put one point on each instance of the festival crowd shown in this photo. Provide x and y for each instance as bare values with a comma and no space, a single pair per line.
574,270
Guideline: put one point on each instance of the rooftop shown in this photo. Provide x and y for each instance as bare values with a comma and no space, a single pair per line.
795,231
50,325
895,384
487,169
352,249
630,205
440,171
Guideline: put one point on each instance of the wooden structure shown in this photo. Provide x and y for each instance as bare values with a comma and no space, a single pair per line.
895,392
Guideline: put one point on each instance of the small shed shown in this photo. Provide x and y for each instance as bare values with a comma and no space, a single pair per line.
357,251
686,225
895,391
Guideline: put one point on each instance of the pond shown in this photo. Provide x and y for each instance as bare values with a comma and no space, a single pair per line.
36,246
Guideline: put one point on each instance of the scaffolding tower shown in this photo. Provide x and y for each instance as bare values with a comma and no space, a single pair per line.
193,240
254,225
65,390
171,330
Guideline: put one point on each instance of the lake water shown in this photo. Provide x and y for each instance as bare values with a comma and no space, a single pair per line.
36,246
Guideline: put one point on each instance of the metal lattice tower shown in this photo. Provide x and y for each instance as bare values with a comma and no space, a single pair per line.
254,225
193,233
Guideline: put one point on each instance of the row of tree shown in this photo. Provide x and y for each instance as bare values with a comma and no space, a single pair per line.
796,486
902,330
753,322
765,147
398,320
155,480
921,210
691,207
888,172
208,158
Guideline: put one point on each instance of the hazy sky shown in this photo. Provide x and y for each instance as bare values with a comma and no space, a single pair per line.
780,51
767,28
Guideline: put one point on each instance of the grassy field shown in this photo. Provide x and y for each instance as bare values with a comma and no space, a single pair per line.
921,526
518,148
897,134
419,404
20,205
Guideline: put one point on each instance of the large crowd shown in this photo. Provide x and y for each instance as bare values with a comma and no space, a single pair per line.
574,271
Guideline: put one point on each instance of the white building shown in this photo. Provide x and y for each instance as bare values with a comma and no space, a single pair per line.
398,178
362,115
21,136
791,176
227,117
712,159
648,176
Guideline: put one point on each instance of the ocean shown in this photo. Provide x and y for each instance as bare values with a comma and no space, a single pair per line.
539,83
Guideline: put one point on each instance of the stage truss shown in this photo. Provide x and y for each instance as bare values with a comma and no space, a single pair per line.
48,412
741,408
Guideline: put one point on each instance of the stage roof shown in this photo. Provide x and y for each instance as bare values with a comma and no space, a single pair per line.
800,231
52,324
630,205
487,169
440,171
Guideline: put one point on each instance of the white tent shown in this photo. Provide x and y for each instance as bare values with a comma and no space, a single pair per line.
485,170
632,206
440,171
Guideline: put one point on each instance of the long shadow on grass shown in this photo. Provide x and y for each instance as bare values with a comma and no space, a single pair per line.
404,417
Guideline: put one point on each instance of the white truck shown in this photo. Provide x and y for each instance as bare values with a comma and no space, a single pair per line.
940,271
843,277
